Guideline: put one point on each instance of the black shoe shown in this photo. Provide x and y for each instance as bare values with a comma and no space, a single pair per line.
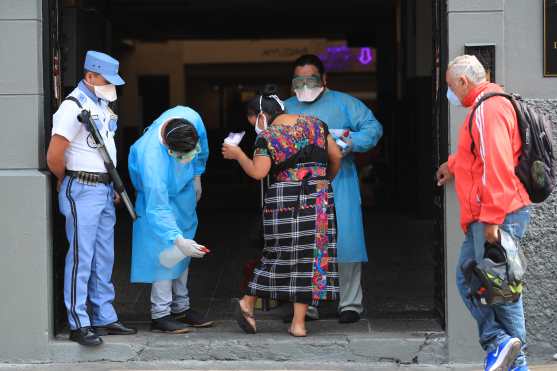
85,336
169,325
349,316
115,328
192,318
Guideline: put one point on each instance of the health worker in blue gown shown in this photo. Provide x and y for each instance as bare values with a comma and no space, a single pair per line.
356,129
165,166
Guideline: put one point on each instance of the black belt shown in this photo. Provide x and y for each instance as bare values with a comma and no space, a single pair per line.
86,177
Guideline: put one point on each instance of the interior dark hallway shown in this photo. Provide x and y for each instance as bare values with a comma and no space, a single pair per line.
404,275
397,281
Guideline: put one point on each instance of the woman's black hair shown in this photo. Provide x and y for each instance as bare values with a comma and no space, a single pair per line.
312,60
269,105
180,135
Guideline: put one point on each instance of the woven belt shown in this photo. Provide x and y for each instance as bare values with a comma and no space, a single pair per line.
86,177
304,183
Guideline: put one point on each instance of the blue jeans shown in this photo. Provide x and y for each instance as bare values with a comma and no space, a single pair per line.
496,323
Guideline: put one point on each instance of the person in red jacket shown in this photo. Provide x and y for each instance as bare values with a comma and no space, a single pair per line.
491,197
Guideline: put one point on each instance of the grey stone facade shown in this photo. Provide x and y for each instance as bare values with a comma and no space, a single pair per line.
25,208
540,246
515,28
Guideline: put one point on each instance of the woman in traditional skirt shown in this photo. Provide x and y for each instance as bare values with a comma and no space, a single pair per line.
299,258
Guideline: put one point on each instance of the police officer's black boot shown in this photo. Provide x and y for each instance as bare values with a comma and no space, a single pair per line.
85,336
115,328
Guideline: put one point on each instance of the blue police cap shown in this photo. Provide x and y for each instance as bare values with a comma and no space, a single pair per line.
104,65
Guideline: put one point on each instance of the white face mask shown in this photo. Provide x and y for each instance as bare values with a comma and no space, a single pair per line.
306,94
106,92
452,97
258,130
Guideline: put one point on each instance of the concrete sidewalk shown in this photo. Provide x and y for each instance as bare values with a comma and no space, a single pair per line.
394,341
249,366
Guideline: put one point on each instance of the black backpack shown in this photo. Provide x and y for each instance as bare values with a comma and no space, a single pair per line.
488,280
497,277
535,166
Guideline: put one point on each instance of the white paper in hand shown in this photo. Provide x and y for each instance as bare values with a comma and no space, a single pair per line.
337,133
342,144
234,138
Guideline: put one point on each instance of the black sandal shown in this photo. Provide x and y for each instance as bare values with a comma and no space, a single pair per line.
241,318
291,333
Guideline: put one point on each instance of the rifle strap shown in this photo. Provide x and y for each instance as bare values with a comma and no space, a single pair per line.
75,100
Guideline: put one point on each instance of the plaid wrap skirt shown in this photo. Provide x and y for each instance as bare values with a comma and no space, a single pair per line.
299,260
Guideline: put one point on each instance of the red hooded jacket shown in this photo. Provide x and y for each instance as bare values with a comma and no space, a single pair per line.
486,184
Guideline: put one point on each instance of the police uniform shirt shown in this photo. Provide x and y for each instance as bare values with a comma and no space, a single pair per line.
82,154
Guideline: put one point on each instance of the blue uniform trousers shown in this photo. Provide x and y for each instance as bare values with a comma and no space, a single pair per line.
90,218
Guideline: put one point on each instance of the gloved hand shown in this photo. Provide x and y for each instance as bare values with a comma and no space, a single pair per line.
189,248
343,140
181,248
348,149
345,145
197,186
170,257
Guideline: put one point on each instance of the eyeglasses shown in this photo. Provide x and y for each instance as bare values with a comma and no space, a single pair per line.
187,156
311,82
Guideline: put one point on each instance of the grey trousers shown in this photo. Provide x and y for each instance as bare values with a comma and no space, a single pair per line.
170,296
350,282
351,296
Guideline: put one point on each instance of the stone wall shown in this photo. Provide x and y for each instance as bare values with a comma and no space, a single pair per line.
540,246
25,265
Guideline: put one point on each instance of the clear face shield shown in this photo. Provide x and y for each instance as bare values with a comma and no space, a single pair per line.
186,157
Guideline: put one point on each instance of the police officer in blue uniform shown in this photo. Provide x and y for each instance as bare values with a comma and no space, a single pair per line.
86,199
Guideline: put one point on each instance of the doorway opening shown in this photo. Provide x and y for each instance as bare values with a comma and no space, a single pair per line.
213,58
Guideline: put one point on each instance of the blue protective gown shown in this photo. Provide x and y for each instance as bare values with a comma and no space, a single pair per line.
166,200
342,111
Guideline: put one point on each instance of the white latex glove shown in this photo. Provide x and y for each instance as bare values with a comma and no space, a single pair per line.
189,248
175,254
197,186
171,256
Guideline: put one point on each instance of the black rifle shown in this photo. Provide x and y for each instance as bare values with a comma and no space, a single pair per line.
85,118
